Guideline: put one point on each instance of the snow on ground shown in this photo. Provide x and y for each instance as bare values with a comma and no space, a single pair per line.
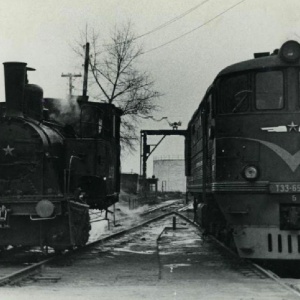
124,217
127,213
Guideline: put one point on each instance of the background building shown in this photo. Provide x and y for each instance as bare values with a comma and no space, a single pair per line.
129,183
170,172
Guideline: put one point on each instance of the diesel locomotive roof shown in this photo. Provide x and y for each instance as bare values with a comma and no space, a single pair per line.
288,55
252,64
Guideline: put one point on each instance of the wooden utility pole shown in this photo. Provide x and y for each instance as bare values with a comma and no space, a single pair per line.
70,76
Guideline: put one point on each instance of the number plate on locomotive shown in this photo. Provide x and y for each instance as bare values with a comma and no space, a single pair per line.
281,188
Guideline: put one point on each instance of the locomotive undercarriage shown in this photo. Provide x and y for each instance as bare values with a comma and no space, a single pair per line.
67,227
211,219
264,226
256,226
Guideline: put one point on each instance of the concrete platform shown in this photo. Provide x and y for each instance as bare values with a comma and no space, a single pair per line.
155,262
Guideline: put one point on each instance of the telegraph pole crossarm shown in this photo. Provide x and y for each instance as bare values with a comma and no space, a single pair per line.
70,76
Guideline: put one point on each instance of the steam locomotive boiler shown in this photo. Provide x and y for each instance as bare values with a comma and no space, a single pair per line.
243,158
54,164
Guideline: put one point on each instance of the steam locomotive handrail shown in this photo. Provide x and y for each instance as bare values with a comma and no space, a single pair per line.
69,170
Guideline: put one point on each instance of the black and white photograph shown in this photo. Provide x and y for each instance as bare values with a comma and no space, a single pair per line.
150,150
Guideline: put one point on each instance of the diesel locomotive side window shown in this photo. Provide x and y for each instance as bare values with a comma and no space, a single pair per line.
235,94
269,90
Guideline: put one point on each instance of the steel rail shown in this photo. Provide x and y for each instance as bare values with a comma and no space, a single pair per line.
120,233
265,272
25,272
277,279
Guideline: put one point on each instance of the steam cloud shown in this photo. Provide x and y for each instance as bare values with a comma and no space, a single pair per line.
65,111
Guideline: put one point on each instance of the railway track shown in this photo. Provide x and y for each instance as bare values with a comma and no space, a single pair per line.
284,283
14,269
36,271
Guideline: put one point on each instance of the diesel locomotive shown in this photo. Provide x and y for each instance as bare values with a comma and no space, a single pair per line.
243,156
57,160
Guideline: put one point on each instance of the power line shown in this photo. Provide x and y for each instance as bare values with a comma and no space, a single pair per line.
164,24
172,20
198,27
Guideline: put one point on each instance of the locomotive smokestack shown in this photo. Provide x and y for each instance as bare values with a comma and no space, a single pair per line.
15,77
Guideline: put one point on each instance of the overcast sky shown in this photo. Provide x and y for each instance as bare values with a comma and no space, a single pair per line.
41,33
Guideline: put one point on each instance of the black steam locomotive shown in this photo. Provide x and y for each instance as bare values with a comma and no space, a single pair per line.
57,160
243,157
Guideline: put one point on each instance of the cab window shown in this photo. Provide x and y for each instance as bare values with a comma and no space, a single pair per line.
269,90
91,121
235,94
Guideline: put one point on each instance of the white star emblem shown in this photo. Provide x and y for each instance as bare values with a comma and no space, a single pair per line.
8,150
292,127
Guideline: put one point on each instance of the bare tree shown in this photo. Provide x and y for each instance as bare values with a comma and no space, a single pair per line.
119,80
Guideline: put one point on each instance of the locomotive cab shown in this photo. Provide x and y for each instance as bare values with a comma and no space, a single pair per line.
93,170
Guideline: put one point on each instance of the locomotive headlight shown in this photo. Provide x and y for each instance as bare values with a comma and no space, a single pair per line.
290,51
44,208
251,173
